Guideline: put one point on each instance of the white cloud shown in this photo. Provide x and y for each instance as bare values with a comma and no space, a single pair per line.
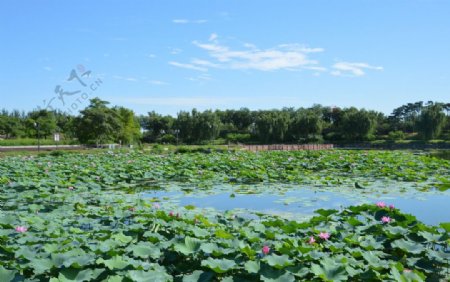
180,21
213,37
157,82
151,56
287,56
188,66
300,48
132,79
204,63
291,57
175,51
203,77
186,21
352,69
48,68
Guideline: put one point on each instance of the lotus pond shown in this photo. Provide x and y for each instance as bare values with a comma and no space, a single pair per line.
225,216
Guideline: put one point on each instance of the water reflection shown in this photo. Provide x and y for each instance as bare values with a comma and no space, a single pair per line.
301,202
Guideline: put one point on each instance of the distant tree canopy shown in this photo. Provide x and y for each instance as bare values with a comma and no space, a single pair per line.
99,123
431,121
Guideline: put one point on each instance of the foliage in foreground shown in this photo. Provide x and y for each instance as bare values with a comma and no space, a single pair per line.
333,167
111,239
69,218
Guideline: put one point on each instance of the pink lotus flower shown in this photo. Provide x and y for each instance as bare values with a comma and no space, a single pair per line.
21,229
171,213
381,205
385,219
391,207
311,240
156,205
265,250
406,270
324,235
71,188
132,209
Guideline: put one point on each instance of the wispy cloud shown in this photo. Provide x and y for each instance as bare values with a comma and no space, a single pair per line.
291,56
352,69
285,56
132,79
175,51
47,68
157,82
203,77
212,37
204,63
188,66
151,56
186,21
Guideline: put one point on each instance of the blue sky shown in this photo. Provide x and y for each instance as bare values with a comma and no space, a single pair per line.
175,55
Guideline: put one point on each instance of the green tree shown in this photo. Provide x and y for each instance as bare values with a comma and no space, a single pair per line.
306,125
431,121
130,129
156,125
43,119
272,126
97,123
357,124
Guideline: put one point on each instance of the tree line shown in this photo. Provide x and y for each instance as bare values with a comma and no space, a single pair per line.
99,123
96,124
300,125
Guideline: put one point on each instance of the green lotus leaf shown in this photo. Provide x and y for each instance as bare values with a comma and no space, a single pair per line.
41,265
223,234
120,237
408,246
71,274
198,276
219,265
189,246
145,250
374,260
7,275
278,262
149,276
252,266
116,262
330,271
445,226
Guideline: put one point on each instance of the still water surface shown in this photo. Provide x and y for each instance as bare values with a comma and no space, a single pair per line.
299,202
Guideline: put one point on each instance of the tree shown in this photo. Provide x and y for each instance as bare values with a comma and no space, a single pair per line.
11,126
272,126
97,123
45,120
357,124
431,121
130,129
156,126
306,125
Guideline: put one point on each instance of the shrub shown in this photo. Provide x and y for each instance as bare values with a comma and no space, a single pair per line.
396,135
